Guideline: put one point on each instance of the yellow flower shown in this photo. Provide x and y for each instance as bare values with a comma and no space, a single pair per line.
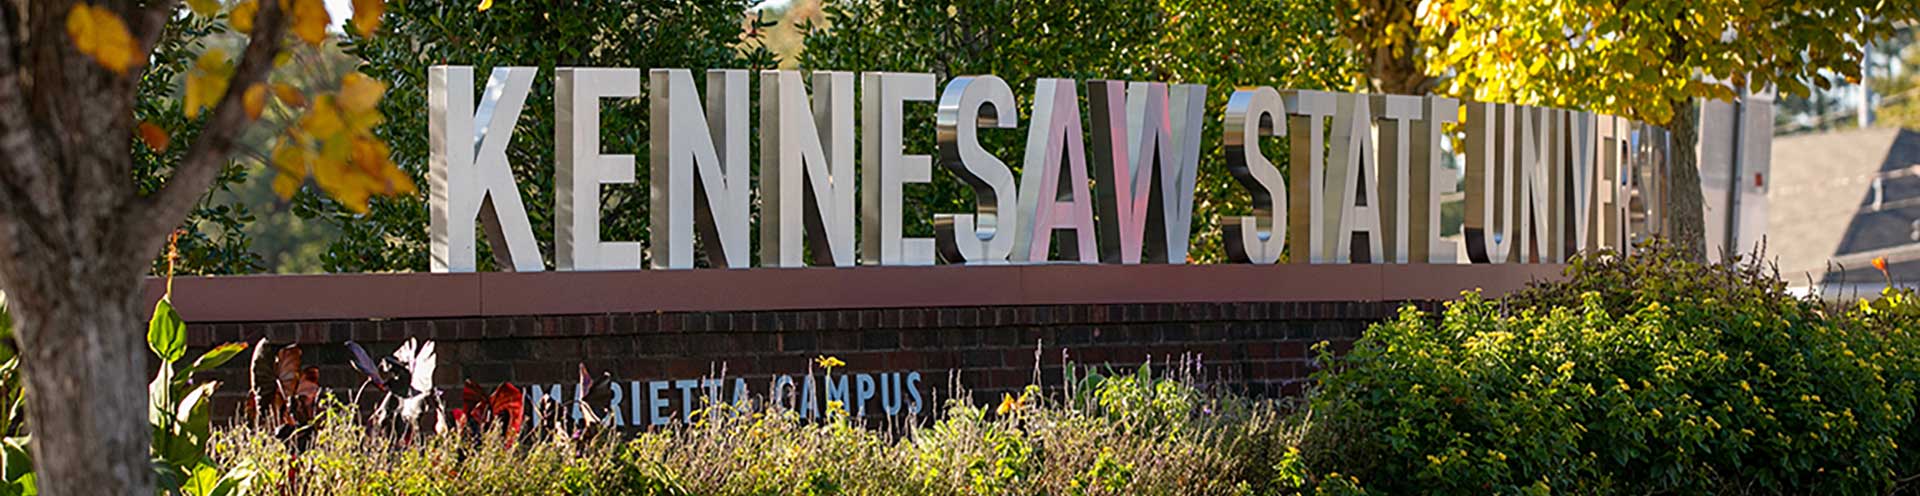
1006,404
827,362
99,34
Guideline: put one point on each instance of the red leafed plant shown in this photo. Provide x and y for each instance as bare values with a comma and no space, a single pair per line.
481,411
284,394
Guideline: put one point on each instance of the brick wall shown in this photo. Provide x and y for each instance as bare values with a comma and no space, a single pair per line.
1257,348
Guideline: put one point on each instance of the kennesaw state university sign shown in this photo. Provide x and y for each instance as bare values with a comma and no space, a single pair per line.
1541,183
1070,260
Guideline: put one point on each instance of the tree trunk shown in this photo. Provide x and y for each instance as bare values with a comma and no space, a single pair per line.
1389,75
1685,214
84,358
76,238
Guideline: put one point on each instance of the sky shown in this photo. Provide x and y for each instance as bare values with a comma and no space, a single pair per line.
341,11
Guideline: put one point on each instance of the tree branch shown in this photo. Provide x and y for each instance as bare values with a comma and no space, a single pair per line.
155,215
151,23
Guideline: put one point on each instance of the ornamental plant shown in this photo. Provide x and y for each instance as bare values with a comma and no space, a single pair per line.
1639,374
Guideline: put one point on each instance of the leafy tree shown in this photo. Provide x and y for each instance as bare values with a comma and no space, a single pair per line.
1392,43
1223,45
691,34
212,239
1651,60
81,217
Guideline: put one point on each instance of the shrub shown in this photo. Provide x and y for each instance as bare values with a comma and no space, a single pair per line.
1641,374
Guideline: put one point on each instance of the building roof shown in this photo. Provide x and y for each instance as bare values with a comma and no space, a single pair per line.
1841,199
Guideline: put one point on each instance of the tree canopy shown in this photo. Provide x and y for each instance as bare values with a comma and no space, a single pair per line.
1646,59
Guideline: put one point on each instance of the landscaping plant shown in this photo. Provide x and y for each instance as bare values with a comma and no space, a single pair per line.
1642,374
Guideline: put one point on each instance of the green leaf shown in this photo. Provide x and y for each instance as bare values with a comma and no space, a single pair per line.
195,413
15,459
205,481
233,482
6,331
160,397
166,333
214,358
167,477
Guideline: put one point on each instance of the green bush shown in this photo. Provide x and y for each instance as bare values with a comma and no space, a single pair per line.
1641,374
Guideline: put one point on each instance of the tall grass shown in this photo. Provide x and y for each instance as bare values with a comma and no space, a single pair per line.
1102,433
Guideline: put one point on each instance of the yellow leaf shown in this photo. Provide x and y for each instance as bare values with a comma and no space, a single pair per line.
370,156
242,16
290,158
285,185
323,119
203,90
485,4
340,182
366,15
204,8
289,95
155,137
398,180
360,94
207,81
99,34
310,20
255,100
336,147
214,61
